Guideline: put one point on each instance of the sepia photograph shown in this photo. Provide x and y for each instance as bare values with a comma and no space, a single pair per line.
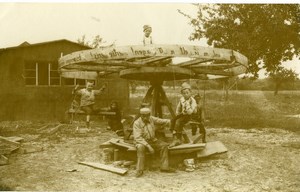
137,96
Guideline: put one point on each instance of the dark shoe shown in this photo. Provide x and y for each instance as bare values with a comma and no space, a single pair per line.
170,170
139,173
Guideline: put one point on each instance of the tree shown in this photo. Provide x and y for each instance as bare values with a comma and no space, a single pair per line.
96,42
266,34
282,75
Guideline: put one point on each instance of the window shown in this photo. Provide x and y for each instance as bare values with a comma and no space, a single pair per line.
74,81
41,73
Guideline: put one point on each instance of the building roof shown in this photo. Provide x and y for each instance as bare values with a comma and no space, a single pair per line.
25,44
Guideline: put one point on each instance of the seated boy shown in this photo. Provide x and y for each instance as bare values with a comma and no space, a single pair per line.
185,108
114,121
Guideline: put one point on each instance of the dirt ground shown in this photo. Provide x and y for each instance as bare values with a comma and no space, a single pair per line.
257,160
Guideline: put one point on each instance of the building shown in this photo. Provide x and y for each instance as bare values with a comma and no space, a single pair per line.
31,87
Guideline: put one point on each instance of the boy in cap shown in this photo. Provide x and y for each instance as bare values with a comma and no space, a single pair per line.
144,136
147,40
87,99
184,110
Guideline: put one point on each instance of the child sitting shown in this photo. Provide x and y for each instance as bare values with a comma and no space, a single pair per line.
185,108
114,122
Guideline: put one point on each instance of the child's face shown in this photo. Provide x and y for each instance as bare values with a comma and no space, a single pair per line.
113,105
89,86
148,32
186,93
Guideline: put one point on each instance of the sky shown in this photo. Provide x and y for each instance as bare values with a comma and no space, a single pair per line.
121,23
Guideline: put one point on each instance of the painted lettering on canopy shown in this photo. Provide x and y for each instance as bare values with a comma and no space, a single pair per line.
138,52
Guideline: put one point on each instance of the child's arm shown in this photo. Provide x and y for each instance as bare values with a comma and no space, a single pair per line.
99,91
190,106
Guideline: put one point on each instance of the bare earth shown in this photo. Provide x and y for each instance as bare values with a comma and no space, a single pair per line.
257,160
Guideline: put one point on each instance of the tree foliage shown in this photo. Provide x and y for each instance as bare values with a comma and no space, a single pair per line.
95,43
282,75
266,34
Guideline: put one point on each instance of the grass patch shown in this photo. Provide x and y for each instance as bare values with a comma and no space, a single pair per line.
244,109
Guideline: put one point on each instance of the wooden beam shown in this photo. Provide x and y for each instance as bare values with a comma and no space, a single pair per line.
213,72
121,143
180,151
188,146
15,139
6,140
105,167
193,62
108,144
3,160
212,148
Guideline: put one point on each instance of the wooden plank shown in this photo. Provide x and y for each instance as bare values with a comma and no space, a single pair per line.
180,151
212,148
121,143
213,72
8,150
4,139
55,129
194,62
105,167
107,144
15,139
3,160
183,148
188,146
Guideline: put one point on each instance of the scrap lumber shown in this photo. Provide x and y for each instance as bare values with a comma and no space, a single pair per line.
212,148
105,167
31,149
6,150
187,148
121,143
107,144
42,128
54,129
15,139
3,160
8,141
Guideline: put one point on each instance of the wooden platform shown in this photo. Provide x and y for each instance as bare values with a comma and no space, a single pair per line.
183,148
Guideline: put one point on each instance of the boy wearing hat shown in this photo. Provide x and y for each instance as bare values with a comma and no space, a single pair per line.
144,136
147,40
184,110
87,99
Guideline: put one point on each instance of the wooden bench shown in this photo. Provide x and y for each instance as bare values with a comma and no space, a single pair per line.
73,112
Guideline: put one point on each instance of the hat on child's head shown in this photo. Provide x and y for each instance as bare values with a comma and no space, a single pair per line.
145,27
185,86
145,111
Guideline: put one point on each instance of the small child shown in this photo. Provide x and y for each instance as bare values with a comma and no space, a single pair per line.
87,99
147,40
114,122
185,108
